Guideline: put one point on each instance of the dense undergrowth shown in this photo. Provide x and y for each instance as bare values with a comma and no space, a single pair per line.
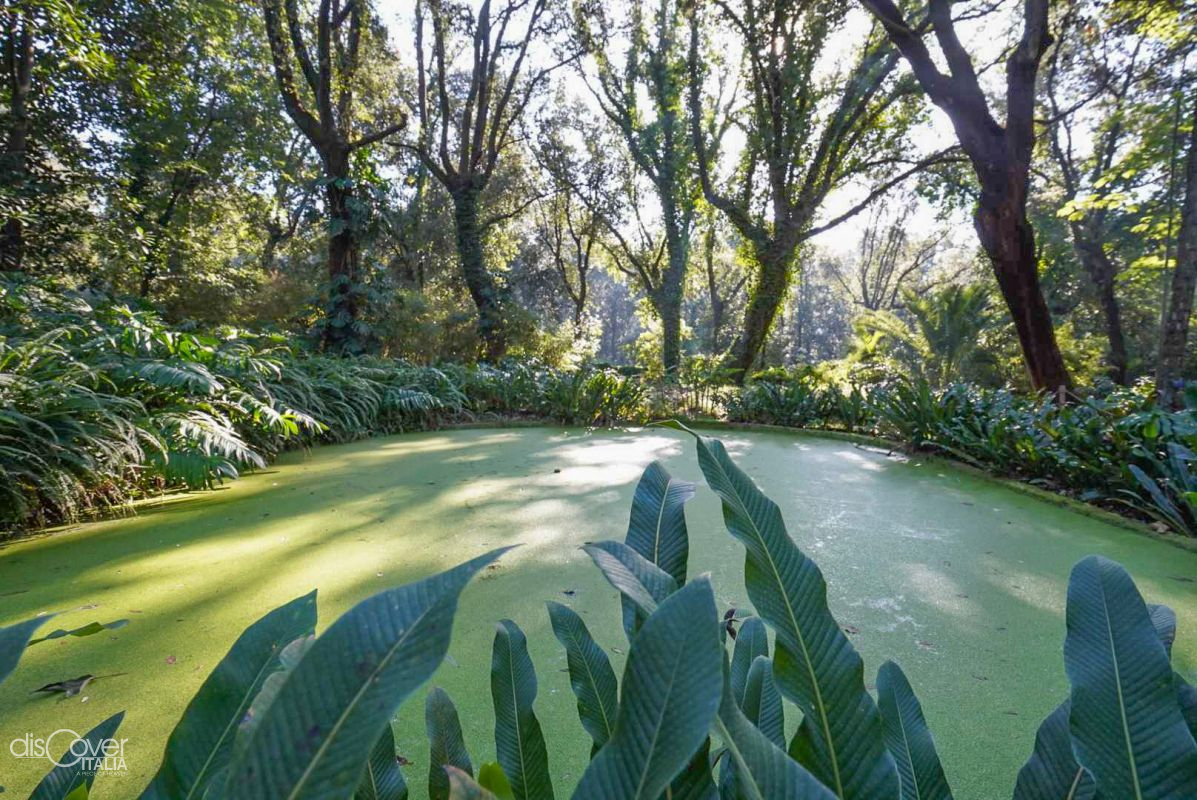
101,403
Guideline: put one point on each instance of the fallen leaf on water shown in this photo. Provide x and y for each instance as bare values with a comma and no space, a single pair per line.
87,630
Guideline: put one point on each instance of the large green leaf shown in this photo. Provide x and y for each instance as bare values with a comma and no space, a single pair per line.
590,674
76,767
909,738
1051,773
761,769
637,579
668,698
695,781
814,664
13,641
463,787
1126,721
657,528
519,743
751,642
383,779
762,701
315,738
201,745
446,743
1163,620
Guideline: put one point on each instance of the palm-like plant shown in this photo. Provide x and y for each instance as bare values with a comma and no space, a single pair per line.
937,336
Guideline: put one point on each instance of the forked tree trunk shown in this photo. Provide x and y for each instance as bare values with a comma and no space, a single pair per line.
484,290
1174,337
772,280
1009,240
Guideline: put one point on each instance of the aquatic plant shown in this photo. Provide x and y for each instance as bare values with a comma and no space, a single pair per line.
288,714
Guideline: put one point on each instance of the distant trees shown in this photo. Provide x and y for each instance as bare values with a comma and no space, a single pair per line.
888,263
806,136
641,90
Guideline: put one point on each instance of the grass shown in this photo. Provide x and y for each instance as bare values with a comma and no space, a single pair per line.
959,579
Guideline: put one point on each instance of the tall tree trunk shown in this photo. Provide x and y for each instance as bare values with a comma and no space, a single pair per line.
772,281
1009,240
1174,337
1102,271
19,61
340,332
668,304
484,290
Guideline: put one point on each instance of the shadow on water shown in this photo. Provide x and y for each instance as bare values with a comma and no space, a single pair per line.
958,579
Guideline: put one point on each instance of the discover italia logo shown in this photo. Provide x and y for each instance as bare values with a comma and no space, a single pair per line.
66,748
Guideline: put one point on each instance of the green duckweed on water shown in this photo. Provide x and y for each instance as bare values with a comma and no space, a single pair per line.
960,580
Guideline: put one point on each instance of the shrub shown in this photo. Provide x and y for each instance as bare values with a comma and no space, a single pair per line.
686,719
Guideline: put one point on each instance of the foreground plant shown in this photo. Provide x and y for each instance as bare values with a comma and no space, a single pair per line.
286,715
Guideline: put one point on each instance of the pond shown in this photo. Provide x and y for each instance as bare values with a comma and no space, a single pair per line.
959,579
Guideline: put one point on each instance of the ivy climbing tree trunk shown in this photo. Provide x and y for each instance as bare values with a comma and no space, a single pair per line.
482,124
484,289
328,86
1175,334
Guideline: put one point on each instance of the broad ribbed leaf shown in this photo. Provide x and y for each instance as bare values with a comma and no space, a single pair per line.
77,766
668,697
636,578
1188,702
383,779
464,787
909,738
657,531
1051,772
761,769
519,744
695,781
446,744
13,641
751,642
1163,619
315,738
814,664
1126,722
590,674
657,528
201,745
762,701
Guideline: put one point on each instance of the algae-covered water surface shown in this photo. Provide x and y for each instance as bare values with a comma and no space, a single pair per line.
959,579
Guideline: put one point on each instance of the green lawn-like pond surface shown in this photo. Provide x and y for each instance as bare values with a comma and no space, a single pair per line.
960,580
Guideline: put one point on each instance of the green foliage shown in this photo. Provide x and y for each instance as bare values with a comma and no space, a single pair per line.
1116,447
687,719
519,743
72,776
102,403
